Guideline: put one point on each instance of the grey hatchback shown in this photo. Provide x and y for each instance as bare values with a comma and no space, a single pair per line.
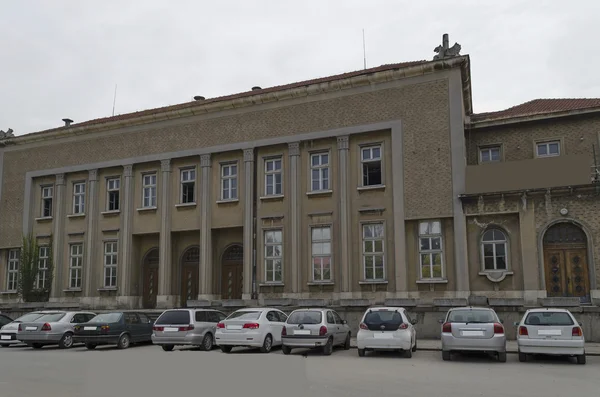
191,327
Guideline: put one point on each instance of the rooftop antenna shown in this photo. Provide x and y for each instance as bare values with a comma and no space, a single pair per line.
114,100
364,50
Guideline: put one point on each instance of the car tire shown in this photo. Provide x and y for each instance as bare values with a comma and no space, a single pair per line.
361,352
267,344
414,349
66,342
90,346
124,342
408,353
168,348
522,357
581,359
37,345
226,349
446,355
502,357
286,349
4,345
207,342
347,343
328,348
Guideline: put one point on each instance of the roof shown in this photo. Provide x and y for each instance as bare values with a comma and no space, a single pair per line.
538,107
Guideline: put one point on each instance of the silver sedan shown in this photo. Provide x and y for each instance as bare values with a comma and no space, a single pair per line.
53,328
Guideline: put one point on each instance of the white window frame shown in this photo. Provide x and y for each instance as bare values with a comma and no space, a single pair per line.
111,262
494,243
547,143
273,258
12,270
431,252
186,179
149,189
113,185
79,190
320,167
47,195
373,253
232,192
321,255
370,147
43,258
75,265
488,149
274,174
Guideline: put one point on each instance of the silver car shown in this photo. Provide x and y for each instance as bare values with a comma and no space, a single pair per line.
8,333
52,328
191,327
551,332
473,329
315,328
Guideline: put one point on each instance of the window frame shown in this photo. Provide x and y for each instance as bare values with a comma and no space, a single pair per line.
547,143
313,255
109,190
494,243
266,258
42,270
152,203
431,252
361,162
374,253
273,159
79,198
76,269
183,183
106,267
12,275
490,147
223,178
49,198
320,167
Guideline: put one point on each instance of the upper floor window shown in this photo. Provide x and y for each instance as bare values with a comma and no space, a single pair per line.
47,196
370,157
113,188
373,251
321,253
273,256
43,271
149,191
12,276
548,149
489,154
319,168
493,248
188,184
431,250
229,174
79,198
273,176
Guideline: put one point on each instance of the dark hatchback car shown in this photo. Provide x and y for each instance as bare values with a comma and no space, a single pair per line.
115,328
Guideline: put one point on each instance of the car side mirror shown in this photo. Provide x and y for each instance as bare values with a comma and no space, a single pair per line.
413,321
344,322
501,321
516,323
441,321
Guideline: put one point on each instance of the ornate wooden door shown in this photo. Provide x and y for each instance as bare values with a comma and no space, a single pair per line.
232,281
150,288
577,273
189,284
566,272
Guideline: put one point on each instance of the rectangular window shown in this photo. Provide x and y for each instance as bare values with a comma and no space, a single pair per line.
42,278
79,198
371,165
548,149
229,175
319,171
113,187
12,276
273,174
76,265
149,191
489,154
110,264
273,256
188,186
321,253
373,250
431,250
47,196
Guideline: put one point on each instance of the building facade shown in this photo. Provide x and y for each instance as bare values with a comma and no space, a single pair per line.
372,186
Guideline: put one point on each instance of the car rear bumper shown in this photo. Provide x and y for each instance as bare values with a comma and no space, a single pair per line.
497,343
302,341
194,340
35,337
12,338
367,340
551,347
242,339
98,340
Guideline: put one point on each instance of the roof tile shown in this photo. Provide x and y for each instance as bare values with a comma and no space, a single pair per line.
539,107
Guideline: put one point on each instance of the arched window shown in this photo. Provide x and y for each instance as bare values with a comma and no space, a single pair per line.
494,248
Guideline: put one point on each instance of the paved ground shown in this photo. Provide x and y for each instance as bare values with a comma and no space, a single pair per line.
148,371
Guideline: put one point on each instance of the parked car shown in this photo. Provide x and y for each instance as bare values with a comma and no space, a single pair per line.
53,328
256,327
315,328
550,331
471,329
195,327
386,328
115,328
4,319
8,333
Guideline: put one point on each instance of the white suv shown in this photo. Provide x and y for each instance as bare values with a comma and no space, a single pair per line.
386,328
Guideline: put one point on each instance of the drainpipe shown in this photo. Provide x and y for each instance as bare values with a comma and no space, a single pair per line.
254,207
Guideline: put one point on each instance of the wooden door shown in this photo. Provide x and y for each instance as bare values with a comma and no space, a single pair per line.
232,281
150,288
577,272
566,272
189,284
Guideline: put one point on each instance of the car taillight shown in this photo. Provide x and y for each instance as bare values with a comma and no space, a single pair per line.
403,326
323,330
523,331
283,331
447,327
20,328
251,325
577,331
220,325
187,328
46,327
363,326
498,328
104,328
157,328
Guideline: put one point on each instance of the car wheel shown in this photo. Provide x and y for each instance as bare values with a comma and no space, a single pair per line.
347,343
226,349
90,346
267,344
502,357
581,359
408,353
361,352
124,342
414,349
446,355
66,342
328,348
207,342
37,345
286,349
522,357
4,345
167,348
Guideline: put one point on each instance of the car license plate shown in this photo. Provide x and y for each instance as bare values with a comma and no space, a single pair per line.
89,328
5,337
472,333
171,329
30,328
550,332
302,332
383,336
234,327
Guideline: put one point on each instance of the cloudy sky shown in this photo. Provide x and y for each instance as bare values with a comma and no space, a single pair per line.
62,58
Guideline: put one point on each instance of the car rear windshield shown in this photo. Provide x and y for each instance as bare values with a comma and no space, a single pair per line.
48,318
549,318
305,317
383,316
29,317
471,316
106,318
245,315
174,317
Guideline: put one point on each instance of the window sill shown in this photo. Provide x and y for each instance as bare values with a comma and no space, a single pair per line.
273,197
496,276
147,209
72,290
9,293
185,205
107,289
273,284
230,201
369,282
109,213
374,187
76,216
432,281
319,193
44,219
313,283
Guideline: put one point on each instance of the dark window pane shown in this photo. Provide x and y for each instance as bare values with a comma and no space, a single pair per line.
174,317
489,263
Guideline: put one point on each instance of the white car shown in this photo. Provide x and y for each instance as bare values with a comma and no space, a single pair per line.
8,333
386,328
255,327
552,332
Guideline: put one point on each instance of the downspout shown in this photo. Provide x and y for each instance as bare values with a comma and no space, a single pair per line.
254,208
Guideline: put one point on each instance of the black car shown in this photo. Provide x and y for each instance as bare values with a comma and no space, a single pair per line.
4,319
115,328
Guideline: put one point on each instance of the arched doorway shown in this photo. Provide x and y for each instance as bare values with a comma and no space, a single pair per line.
566,261
150,276
190,264
232,272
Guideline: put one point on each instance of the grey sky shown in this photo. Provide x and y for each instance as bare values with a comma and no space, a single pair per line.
62,58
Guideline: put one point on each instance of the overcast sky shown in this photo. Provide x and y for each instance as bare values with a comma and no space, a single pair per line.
63,58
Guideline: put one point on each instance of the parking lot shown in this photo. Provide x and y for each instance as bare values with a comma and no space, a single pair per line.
146,370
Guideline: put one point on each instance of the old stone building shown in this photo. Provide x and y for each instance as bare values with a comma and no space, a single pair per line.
371,186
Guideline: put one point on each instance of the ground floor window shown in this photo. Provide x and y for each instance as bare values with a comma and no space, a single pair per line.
110,264
373,251
273,256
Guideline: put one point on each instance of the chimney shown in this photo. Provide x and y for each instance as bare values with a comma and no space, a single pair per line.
67,122
256,88
445,41
199,98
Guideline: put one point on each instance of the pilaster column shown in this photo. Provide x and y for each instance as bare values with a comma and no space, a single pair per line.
532,282
58,235
248,220
164,267
294,152
344,219
125,232
92,220
205,282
